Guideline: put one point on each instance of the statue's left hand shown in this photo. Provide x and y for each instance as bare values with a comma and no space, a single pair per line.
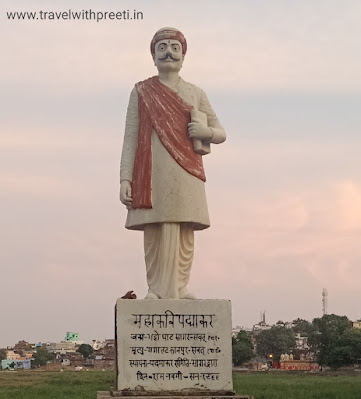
198,131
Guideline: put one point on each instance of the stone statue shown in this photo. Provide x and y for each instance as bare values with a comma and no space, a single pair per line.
169,124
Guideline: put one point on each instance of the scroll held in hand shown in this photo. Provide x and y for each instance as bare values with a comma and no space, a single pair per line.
199,146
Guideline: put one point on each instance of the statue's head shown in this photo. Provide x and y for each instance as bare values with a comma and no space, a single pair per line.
168,48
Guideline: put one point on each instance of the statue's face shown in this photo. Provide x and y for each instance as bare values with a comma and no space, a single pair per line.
168,55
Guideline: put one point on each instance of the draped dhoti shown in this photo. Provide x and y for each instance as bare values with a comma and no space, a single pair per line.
168,250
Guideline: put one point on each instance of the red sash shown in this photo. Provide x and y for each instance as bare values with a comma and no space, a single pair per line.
163,110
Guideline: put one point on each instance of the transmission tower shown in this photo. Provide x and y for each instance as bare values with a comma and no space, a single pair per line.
324,301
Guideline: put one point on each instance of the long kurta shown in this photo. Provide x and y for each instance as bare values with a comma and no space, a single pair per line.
177,196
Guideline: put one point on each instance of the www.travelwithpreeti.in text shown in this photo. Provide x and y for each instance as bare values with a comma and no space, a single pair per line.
84,15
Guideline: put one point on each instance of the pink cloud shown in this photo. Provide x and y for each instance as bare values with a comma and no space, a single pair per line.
349,204
37,186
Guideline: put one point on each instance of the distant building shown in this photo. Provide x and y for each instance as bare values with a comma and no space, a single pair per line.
262,325
65,346
12,364
237,329
300,365
105,356
28,354
70,359
11,355
71,336
70,344
96,345
301,342
357,324
257,328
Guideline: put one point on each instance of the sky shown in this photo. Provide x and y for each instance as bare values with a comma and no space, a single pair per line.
284,190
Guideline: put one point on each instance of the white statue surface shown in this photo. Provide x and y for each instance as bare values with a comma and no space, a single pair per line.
169,124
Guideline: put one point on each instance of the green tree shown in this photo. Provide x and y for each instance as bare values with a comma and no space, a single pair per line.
2,354
42,356
302,326
22,346
346,350
328,337
11,366
277,340
242,348
86,350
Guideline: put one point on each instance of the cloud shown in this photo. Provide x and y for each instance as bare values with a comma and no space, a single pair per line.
286,239
37,186
349,201
284,191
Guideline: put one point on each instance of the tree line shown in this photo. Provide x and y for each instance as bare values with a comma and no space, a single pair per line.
332,341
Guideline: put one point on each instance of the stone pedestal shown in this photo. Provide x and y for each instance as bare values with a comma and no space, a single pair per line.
172,347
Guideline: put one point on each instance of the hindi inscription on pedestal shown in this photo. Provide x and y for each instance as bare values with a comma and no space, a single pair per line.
173,345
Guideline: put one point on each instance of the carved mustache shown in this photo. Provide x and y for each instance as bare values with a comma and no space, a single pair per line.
169,55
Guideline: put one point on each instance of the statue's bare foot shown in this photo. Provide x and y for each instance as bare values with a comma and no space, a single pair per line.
151,295
185,294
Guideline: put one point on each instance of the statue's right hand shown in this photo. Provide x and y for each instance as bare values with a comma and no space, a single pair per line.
125,194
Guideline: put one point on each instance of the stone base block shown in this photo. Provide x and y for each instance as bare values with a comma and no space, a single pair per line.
174,347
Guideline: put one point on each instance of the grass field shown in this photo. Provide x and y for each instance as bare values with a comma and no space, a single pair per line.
84,385
54,385
280,385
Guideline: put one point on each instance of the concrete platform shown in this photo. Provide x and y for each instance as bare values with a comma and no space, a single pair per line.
108,395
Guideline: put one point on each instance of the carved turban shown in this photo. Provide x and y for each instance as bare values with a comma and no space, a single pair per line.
168,33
